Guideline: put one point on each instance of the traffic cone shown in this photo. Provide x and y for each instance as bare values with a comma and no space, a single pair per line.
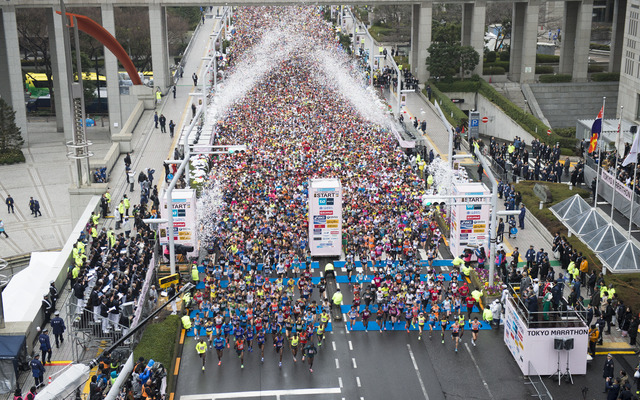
49,381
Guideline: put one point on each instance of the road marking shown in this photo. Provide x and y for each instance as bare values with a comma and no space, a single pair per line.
354,363
333,344
486,386
261,393
337,364
445,268
346,325
340,382
182,336
177,368
358,381
415,366
350,345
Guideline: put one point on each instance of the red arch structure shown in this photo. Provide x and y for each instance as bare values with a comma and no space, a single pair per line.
95,30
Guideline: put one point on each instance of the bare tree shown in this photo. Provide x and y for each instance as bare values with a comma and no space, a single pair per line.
132,32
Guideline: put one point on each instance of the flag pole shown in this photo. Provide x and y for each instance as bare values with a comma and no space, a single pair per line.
615,164
633,193
595,197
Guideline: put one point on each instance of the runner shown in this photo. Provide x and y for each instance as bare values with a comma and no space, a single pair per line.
278,342
444,322
260,340
320,334
219,344
433,318
421,321
455,333
475,328
379,318
293,342
364,315
353,314
239,346
201,349
310,351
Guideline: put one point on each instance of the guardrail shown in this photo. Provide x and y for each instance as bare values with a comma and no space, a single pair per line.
535,380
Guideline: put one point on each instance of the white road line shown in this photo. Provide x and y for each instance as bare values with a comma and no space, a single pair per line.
484,382
415,366
361,398
353,360
340,382
350,345
337,364
346,324
445,268
358,381
261,393
333,344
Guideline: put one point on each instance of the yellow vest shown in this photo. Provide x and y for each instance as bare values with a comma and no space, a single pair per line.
294,341
127,203
337,298
108,196
186,322
195,275
201,347
121,208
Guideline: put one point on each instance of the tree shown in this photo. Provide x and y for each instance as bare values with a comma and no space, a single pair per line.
132,32
442,59
10,135
446,33
469,58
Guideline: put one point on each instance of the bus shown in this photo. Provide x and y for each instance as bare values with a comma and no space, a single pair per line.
37,85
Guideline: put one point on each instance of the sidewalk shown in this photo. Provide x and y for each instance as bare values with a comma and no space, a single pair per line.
150,148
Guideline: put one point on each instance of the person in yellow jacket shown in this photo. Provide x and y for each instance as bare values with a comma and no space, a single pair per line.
329,269
94,233
94,218
111,235
487,315
201,349
186,322
81,247
127,205
108,196
195,275
337,299
121,209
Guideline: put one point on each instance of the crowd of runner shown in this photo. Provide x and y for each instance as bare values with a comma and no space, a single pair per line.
297,127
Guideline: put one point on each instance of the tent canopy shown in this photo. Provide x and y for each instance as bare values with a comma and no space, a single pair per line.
13,352
586,222
570,207
603,238
624,257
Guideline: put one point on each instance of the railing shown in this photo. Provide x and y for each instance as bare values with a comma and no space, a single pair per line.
565,317
535,380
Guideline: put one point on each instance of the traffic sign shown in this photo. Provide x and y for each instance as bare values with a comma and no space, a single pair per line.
474,122
549,132
485,119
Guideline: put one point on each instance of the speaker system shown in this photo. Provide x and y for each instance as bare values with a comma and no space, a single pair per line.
127,309
568,344
558,344
633,128
563,344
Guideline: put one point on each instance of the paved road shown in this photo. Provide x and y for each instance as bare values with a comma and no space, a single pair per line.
362,365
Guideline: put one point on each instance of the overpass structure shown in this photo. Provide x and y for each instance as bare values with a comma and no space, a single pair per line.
525,26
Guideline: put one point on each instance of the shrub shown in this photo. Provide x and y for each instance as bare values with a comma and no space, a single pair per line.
605,77
598,46
555,78
448,108
493,71
499,64
595,68
566,132
544,69
11,157
547,59
491,56
458,86
504,56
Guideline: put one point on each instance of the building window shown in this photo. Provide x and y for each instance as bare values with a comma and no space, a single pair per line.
638,106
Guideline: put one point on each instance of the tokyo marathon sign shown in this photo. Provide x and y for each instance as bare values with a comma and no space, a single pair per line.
325,217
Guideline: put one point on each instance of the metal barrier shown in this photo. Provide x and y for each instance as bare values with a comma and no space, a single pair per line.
565,317
535,380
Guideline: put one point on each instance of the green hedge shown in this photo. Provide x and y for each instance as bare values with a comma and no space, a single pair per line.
491,56
458,86
547,59
448,108
499,64
566,132
544,69
159,341
555,78
598,46
595,68
504,55
493,71
605,77
11,157
625,284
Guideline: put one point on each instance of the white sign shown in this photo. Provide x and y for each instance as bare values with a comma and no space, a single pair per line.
469,219
325,217
621,188
184,218
535,345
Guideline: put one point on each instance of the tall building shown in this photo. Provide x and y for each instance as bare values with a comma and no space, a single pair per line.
629,90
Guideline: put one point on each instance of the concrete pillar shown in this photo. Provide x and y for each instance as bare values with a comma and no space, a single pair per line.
467,23
422,15
159,47
12,86
111,67
524,39
568,43
617,35
477,30
583,38
64,117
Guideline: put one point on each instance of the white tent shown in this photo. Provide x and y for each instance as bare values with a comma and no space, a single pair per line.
622,258
570,207
603,238
22,297
586,222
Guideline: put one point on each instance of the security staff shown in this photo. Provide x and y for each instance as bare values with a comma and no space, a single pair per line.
58,328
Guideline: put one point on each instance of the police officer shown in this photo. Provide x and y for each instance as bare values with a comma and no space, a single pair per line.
37,370
58,328
45,345
47,307
53,293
